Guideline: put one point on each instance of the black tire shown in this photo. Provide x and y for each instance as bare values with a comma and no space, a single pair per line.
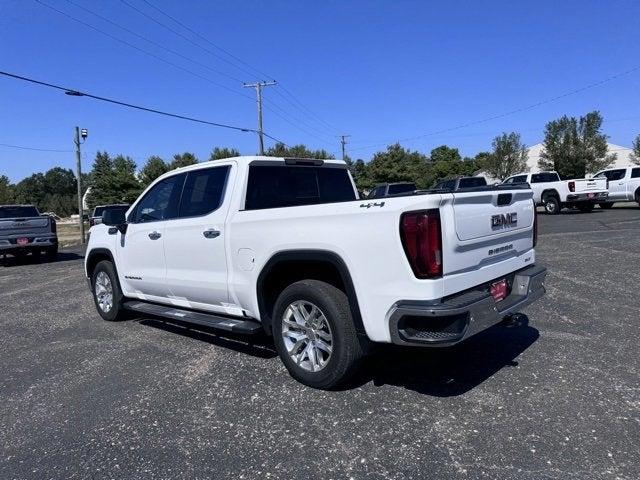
637,197
116,312
586,207
551,204
348,349
52,253
606,206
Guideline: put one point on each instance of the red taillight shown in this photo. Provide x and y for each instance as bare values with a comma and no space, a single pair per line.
422,241
535,224
54,225
572,186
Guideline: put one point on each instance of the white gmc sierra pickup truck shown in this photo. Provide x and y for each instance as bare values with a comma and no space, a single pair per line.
554,194
624,185
284,246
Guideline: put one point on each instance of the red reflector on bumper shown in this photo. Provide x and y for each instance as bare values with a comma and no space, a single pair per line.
498,290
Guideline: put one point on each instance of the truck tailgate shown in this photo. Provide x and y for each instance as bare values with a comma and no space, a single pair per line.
486,234
584,185
24,226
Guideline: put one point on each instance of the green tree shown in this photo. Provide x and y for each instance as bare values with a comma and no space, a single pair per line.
6,190
574,147
222,153
183,160
635,156
443,153
509,156
31,190
297,151
154,167
124,173
113,180
398,164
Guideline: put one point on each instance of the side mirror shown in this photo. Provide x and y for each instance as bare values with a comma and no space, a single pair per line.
115,218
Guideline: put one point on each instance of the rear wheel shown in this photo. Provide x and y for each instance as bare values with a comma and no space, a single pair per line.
314,334
585,207
107,295
551,204
52,252
605,206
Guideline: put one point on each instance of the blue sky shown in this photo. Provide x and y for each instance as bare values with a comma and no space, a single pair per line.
379,71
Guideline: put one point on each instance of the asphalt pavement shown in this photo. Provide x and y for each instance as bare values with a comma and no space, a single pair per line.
555,395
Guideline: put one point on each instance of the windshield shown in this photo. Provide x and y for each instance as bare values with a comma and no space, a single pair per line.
98,211
18,212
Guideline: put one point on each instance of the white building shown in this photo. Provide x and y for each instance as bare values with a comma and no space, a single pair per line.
622,159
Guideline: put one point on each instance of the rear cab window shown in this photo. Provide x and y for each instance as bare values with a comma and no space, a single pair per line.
281,185
401,188
635,172
19,212
472,182
544,177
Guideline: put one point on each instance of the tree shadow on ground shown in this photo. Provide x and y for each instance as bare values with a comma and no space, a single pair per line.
446,372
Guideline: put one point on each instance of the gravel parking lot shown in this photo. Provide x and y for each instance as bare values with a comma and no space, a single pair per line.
555,396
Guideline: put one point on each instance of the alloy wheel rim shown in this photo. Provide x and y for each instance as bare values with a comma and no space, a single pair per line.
307,335
551,207
104,292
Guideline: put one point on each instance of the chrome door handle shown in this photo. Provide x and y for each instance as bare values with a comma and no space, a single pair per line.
211,233
154,235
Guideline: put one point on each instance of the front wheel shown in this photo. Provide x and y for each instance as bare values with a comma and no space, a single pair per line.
314,334
107,295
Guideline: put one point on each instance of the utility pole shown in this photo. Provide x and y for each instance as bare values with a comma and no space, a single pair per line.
258,86
80,133
343,142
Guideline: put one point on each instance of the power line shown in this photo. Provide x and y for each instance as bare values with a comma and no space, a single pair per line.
511,112
202,37
300,106
77,93
153,42
146,52
21,147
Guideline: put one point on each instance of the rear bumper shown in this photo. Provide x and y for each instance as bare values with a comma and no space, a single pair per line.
458,317
36,242
584,197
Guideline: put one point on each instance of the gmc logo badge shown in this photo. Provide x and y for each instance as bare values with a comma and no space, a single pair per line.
504,220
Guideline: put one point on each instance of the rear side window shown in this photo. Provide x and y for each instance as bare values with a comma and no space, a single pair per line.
472,182
203,191
544,177
161,202
635,172
615,174
401,188
18,212
289,186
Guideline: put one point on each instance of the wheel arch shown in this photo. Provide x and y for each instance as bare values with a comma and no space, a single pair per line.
95,256
550,191
324,265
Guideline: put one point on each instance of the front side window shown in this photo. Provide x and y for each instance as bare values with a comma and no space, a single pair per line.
161,202
271,186
203,191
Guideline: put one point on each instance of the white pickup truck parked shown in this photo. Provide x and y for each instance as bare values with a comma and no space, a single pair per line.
284,246
624,185
555,194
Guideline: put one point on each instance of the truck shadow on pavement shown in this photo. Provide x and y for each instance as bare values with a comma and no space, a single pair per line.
259,346
451,371
11,261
